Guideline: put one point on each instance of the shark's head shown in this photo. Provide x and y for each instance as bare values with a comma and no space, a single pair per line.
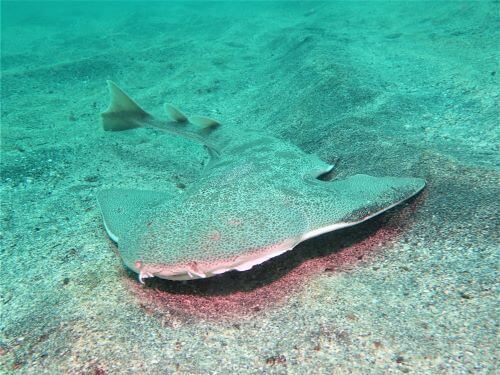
203,237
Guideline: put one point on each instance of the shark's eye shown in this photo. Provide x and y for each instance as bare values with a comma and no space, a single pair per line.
234,222
214,235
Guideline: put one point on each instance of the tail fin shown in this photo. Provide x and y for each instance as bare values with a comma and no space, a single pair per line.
123,112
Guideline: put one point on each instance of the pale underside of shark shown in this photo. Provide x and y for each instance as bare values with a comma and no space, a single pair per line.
257,198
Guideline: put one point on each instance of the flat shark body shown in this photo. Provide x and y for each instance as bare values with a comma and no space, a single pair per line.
257,198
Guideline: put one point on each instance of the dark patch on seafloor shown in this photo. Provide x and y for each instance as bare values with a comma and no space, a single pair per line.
268,285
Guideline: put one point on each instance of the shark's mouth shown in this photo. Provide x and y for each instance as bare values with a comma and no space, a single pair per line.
199,270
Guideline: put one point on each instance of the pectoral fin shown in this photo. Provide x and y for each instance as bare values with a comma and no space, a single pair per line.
344,203
121,208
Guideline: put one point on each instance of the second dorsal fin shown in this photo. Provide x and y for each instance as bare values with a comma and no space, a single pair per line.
204,122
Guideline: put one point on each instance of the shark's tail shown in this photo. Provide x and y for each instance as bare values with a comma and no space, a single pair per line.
124,113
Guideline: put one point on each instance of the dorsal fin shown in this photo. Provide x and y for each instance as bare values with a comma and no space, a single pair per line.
205,122
175,113
123,112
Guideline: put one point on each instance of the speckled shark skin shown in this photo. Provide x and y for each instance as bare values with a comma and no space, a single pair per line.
257,198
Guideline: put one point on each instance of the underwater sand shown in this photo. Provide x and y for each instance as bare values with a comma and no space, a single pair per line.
402,89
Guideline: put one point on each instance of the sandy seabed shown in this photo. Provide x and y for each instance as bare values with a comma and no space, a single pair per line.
403,89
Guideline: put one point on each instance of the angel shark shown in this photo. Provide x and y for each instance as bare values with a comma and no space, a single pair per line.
257,198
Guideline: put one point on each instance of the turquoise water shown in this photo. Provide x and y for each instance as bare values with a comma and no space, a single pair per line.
404,89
